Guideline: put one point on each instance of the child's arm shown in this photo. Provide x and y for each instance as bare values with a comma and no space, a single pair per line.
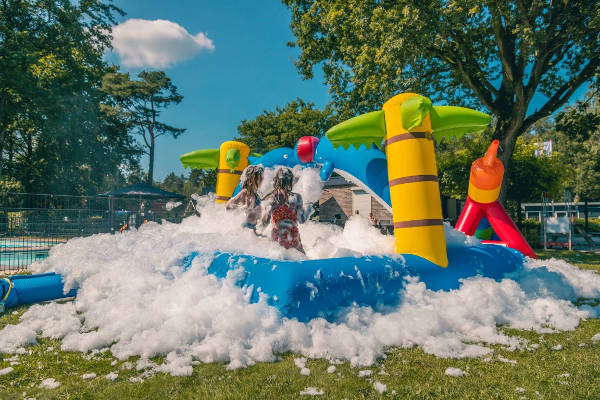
236,201
303,213
268,208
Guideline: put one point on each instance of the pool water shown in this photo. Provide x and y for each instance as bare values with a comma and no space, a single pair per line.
21,258
15,242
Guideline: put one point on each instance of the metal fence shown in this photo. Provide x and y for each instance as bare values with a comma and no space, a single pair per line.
30,224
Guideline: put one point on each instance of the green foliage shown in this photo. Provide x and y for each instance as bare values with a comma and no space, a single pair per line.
530,228
54,137
526,180
10,185
196,182
531,175
454,159
593,224
576,137
495,55
284,126
139,104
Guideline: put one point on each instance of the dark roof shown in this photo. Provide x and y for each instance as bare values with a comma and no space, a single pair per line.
336,181
143,190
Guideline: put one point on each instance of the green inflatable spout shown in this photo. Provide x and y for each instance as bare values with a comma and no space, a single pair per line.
364,129
449,121
201,159
232,158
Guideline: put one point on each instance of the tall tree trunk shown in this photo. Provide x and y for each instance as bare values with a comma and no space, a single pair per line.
2,135
151,161
507,130
28,165
585,212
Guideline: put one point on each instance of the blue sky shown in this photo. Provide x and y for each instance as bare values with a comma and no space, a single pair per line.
250,69
229,60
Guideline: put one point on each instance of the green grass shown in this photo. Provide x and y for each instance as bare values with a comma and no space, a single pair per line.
583,259
408,373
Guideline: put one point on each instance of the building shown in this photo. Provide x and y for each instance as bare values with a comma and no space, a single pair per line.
534,210
343,199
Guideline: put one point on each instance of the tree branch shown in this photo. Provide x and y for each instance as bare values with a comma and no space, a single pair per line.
479,87
554,44
565,92
506,51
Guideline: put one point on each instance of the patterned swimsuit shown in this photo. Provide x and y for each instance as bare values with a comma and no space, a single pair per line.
285,227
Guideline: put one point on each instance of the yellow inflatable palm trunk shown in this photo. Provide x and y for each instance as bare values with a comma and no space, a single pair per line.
408,123
229,160
414,189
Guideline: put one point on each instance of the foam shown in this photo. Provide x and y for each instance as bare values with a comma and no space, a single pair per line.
135,300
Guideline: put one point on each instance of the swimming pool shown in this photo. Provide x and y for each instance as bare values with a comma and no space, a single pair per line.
7,243
14,259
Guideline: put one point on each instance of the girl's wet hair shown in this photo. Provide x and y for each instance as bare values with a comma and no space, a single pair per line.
284,179
251,176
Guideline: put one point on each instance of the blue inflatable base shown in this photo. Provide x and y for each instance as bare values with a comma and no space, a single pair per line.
29,289
321,288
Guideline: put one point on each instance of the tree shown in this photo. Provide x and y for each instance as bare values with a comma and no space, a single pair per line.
531,175
54,137
284,126
454,159
525,181
576,137
140,102
498,55
195,182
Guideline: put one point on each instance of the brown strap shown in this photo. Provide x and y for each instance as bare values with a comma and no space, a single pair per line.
223,197
407,136
418,222
228,171
414,178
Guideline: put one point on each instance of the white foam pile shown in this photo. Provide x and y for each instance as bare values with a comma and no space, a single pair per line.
135,299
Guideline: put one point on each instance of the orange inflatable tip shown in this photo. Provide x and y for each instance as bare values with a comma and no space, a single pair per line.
491,155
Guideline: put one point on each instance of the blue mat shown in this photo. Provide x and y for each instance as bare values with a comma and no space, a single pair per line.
320,288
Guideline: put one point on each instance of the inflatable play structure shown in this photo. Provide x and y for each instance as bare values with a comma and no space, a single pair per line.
390,154
27,289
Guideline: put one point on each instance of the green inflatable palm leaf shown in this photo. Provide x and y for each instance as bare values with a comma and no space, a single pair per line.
364,129
201,159
414,110
449,121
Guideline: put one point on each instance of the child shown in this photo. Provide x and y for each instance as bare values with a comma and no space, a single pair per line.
248,197
284,207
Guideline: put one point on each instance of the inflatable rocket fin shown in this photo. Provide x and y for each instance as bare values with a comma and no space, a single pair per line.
201,159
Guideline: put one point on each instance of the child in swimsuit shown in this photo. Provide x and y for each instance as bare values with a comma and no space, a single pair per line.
248,197
285,210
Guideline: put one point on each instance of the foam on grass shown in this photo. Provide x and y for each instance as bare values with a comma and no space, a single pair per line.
134,299
455,372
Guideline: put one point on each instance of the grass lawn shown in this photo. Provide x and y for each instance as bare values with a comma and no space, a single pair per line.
570,371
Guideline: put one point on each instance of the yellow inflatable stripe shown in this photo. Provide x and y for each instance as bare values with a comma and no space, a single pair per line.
419,201
482,195
411,157
416,241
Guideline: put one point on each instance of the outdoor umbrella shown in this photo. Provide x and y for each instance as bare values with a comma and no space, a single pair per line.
143,190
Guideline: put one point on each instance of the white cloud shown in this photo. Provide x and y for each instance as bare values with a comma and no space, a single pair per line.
156,44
